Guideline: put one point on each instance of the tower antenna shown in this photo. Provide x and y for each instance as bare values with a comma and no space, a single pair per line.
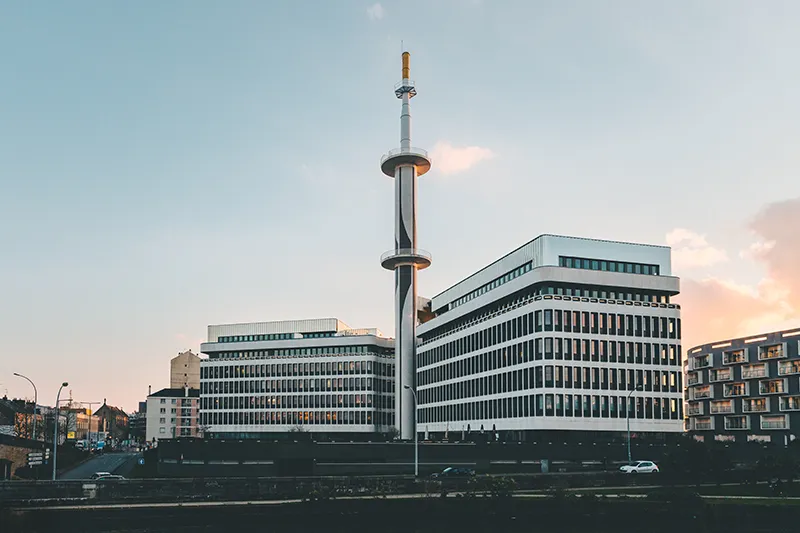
405,164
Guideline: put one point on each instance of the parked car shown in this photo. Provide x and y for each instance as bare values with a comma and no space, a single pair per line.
98,475
640,467
111,477
454,472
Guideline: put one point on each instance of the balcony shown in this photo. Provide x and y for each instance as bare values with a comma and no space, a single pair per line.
406,257
774,422
733,390
790,403
755,371
773,386
695,409
737,422
703,424
405,156
701,393
720,374
694,378
734,357
786,368
721,407
703,361
774,351
755,405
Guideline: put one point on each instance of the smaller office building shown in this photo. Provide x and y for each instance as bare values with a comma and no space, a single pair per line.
265,379
172,413
746,389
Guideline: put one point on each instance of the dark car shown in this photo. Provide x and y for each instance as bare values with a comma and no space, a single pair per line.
455,472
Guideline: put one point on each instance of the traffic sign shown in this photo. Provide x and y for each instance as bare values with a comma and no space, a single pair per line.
141,461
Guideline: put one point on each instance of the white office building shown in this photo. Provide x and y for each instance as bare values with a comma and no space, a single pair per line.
552,340
315,375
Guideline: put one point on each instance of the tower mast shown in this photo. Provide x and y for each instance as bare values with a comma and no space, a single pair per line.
405,164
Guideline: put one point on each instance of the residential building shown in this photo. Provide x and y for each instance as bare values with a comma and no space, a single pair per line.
172,413
17,416
563,338
316,375
184,371
112,421
745,389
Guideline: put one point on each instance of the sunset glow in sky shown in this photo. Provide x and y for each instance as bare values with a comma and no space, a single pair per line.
169,165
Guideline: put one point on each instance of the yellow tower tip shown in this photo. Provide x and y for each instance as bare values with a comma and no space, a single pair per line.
406,69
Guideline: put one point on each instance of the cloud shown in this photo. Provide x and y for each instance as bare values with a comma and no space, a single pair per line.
714,309
451,160
691,250
375,12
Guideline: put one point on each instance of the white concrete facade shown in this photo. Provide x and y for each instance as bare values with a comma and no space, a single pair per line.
496,353
296,376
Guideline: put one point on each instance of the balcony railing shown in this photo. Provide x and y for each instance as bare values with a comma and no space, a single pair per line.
771,352
721,376
772,387
788,367
693,379
699,395
742,422
721,408
696,410
703,425
732,358
791,403
774,424
734,391
755,372
755,407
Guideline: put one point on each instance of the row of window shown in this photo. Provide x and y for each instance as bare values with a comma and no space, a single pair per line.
308,401
555,376
253,338
555,405
547,349
610,266
554,320
296,418
583,291
328,368
297,385
310,351
493,284
607,324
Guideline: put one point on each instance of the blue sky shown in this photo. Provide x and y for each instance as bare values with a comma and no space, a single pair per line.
169,165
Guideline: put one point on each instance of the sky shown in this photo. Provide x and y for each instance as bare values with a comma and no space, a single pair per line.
169,165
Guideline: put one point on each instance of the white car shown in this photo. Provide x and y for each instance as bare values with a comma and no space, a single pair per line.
640,467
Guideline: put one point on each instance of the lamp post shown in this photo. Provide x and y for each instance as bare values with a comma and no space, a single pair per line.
55,429
416,437
35,401
628,418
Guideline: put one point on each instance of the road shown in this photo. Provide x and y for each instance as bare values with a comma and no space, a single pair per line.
105,462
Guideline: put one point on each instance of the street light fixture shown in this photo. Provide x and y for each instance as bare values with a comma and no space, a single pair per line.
628,418
55,429
35,401
416,437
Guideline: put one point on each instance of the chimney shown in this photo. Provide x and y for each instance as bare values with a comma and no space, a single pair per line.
149,390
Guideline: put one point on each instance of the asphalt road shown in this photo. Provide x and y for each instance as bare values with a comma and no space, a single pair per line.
106,462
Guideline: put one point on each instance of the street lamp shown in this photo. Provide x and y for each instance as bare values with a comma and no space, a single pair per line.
416,438
35,401
55,429
628,417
